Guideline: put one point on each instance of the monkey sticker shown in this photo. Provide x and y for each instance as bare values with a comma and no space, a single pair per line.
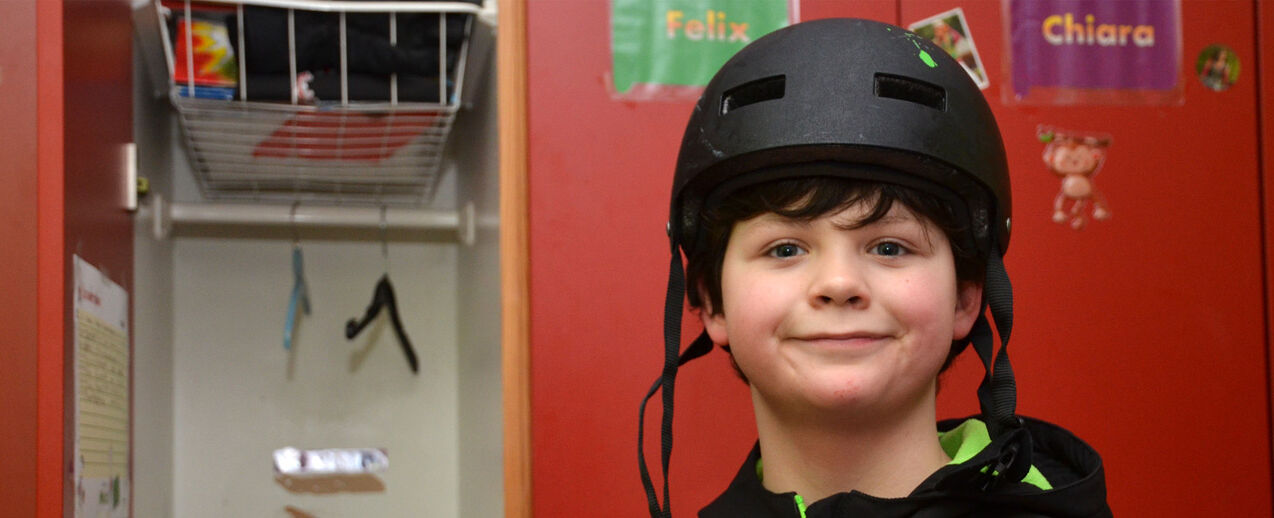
1075,157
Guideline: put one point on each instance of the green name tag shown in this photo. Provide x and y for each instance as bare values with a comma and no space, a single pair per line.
681,43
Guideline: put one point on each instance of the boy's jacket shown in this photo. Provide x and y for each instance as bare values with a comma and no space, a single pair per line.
1059,460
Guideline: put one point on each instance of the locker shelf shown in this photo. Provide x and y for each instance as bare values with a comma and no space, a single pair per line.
346,130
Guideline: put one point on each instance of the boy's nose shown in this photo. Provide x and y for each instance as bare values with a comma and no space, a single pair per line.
839,283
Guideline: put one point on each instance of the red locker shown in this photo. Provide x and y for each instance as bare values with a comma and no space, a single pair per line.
1144,333
66,98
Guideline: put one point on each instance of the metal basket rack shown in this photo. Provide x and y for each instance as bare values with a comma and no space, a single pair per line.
346,150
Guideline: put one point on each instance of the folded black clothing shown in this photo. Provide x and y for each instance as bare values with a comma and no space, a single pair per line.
317,41
326,87
369,87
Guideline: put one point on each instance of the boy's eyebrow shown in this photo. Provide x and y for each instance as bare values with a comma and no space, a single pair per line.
896,218
771,218
888,219
891,218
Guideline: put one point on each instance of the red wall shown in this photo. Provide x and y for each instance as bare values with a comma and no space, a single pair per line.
1145,334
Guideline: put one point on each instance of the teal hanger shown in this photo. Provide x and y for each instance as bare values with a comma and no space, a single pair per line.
299,289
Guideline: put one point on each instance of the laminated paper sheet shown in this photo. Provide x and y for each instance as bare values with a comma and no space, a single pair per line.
101,363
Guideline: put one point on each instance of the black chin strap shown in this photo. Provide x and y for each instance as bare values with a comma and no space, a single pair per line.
672,344
997,394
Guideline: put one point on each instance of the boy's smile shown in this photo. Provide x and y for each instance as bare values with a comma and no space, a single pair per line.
821,316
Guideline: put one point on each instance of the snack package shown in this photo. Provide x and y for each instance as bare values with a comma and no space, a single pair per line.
296,461
209,51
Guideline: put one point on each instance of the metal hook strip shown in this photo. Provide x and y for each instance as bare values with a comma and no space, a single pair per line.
384,236
296,232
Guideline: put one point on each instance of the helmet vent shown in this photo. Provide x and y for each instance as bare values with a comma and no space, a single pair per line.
911,90
752,92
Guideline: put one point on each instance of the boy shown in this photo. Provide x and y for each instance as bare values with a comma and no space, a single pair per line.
842,200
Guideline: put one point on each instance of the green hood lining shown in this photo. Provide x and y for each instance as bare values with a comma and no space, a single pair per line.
969,439
961,444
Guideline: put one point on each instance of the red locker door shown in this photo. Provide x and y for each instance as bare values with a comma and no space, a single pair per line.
97,123
84,119
18,212
1144,333
65,98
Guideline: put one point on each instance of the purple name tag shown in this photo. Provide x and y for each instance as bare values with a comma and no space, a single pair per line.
1097,44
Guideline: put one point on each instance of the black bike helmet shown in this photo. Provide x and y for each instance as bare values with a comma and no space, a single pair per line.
847,98
842,91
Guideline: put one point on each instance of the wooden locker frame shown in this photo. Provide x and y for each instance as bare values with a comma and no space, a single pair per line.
511,72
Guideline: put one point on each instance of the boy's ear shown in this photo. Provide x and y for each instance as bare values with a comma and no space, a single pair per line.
968,306
714,324
713,321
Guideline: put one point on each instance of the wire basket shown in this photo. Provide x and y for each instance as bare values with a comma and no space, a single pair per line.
336,101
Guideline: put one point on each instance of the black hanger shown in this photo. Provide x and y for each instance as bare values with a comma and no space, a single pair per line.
384,297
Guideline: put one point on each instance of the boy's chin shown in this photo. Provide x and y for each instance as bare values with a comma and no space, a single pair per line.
844,399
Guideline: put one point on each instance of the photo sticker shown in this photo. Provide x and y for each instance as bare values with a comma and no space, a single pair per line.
950,31
1218,67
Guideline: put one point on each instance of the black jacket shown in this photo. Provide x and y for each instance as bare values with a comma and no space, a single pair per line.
1071,467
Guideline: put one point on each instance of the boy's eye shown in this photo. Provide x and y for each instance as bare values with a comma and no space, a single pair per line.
889,248
786,250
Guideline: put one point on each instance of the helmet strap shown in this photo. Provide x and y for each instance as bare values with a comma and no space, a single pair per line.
997,394
672,344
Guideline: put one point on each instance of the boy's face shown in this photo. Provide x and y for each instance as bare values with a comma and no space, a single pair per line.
820,316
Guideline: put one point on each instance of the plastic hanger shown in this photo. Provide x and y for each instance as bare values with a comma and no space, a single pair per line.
384,299
300,291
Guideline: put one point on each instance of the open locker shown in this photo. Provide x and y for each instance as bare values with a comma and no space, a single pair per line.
365,182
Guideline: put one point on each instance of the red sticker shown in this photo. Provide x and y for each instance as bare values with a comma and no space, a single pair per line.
1076,157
